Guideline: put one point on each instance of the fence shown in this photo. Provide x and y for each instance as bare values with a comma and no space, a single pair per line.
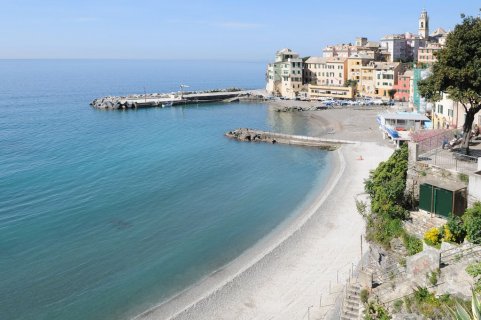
429,140
455,254
450,160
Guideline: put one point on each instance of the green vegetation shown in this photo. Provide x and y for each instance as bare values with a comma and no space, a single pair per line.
386,186
433,277
463,177
375,311
397,306
364,295
474,270
426,303
472,223
433,237
454,230
391,93
457,72
461,312
350,83
412,244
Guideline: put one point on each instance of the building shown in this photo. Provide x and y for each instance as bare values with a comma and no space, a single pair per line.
427,54
378,78
403,86
326,77
386,77
354,67
325,71
439,36
362,46
316,92
401,47
449,114
423,29
284,76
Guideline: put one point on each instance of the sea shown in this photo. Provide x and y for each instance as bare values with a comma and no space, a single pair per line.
105,214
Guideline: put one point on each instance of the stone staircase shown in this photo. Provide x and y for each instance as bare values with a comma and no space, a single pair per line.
421,222
352,303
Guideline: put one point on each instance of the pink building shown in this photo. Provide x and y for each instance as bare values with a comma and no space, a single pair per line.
403,86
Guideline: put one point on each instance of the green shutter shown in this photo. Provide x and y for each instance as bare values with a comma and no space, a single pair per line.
443,202
425,197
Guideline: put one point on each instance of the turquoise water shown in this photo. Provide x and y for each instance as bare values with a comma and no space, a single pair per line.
104,214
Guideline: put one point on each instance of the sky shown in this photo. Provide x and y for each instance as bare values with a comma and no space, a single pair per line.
247,30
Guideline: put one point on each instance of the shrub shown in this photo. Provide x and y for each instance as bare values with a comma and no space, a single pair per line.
412,244
385,186
433,278
447,235
398,305
456,229
472,223
433,237
364,295
375,311
474,270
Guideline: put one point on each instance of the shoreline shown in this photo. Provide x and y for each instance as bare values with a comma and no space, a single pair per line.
212,284
286,271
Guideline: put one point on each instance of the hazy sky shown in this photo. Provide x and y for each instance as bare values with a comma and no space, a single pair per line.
205,29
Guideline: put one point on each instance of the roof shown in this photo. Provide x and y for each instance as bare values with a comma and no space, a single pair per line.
408,73
360,56
285,50
438,32
404,116
444,184
325,60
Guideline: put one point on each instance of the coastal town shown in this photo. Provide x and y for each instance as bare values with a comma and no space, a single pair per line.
376,71
207,183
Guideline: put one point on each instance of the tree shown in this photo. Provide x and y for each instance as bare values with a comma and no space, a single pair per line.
458,72
391,93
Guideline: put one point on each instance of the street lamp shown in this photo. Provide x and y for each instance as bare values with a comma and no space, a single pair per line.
182,86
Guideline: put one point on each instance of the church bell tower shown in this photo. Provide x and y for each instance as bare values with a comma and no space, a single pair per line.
424,25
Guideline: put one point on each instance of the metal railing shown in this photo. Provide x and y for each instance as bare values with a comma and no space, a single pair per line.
450,160
446,257
434,141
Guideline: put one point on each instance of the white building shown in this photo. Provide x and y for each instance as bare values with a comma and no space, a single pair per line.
284,76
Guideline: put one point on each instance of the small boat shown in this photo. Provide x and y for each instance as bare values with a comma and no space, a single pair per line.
167,104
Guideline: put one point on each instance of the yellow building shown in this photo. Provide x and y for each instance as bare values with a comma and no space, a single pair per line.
326,77
354,67
325,71
335,92
427,54
378,78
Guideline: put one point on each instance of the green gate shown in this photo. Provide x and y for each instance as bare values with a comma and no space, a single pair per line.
443,202
442,198
426,197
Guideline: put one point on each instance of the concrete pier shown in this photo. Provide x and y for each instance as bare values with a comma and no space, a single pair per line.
170,99
252,135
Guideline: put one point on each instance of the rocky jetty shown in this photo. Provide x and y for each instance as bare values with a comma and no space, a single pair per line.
296,108
252,135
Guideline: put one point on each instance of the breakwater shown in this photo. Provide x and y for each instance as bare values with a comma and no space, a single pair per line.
173,99
252,135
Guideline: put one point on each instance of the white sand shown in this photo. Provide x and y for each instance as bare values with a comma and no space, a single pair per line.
285,273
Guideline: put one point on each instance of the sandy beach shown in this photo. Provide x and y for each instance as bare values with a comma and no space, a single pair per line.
288,271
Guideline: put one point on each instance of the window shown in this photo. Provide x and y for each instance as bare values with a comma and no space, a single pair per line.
440,108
